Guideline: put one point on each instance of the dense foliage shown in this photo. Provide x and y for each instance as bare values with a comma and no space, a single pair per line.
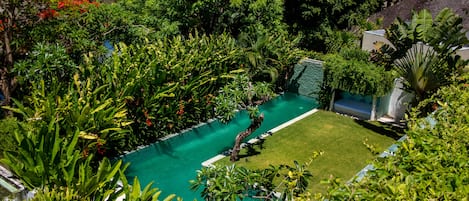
424,69
282,182
74,102
207,16
321,22
77,102
156,87
45,160
356,76
431,164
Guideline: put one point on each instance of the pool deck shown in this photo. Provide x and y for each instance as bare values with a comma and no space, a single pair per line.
209,162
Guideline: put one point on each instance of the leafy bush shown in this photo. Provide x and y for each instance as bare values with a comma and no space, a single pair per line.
355,76
46,62
320,22
43,157
270,56
101,121
169,85
83,27
354,54
7,135
424,68
208,17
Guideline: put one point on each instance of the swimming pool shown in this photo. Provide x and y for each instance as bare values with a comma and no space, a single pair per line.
171,163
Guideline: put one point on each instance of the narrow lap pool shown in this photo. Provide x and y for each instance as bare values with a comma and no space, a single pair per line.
170,164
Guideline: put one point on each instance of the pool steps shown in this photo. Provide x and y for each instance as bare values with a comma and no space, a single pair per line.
209,162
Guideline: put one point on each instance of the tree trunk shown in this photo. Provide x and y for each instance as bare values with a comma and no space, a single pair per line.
255,124
5,78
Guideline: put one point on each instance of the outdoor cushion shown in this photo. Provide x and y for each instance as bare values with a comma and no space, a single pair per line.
352,107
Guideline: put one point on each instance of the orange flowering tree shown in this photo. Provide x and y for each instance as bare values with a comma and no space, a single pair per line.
18,20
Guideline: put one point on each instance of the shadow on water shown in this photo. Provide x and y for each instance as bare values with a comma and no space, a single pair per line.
391,131
165,147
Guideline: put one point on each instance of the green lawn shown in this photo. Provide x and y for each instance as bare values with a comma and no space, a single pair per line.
340,138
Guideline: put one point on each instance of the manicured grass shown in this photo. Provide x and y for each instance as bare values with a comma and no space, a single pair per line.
340,138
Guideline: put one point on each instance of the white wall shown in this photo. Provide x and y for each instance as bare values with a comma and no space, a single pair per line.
398,101
395,103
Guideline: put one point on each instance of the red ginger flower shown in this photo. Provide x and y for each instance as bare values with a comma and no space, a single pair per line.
47,13
148,122
61,5
181,109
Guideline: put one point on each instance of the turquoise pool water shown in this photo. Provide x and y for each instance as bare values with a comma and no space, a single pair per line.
170,164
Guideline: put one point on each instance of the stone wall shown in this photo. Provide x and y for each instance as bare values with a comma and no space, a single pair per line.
307,78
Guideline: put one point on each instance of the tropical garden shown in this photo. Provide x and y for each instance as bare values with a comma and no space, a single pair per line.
84,81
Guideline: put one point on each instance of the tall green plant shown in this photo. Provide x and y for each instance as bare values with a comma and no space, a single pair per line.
47,62
168,85
242,94
102,121
231,182
424,70
421,70
46,161
235,182
270,56
43,157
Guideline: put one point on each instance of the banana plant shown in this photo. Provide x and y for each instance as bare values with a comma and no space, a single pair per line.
135,193
101,183
43,156
57,194
101,120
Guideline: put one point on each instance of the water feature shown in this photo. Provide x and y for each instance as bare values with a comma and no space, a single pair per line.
171,163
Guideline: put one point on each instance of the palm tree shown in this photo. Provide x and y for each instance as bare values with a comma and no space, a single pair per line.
421,68
425,68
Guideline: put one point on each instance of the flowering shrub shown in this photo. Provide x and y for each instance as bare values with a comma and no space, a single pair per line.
64,6
1,25
81,5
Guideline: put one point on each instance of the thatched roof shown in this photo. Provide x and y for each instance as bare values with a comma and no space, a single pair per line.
403,9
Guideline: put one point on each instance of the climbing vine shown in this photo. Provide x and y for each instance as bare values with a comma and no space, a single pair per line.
356,76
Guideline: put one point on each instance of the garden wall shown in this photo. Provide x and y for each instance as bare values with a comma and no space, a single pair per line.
307,78
397,101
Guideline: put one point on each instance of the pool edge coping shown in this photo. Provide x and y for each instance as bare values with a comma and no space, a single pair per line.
210,161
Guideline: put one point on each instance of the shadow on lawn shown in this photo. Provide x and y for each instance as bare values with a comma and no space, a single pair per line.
251,149
382,128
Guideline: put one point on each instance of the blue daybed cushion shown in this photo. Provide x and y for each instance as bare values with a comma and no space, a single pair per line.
353,107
